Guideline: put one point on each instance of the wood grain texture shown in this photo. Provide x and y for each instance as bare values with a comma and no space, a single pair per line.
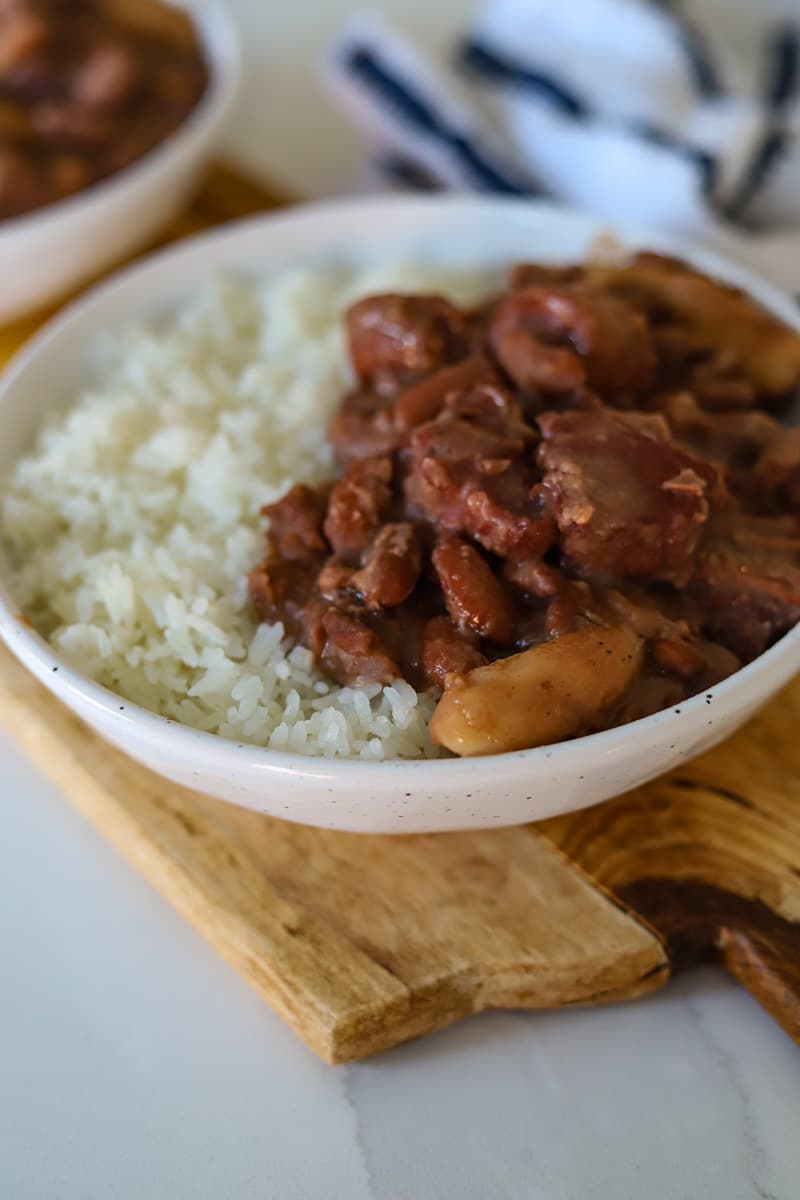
357,942
710,856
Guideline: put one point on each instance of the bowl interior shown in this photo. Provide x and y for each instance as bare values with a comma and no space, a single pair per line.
449,231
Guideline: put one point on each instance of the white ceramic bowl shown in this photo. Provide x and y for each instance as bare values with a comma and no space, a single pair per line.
390,797
49,252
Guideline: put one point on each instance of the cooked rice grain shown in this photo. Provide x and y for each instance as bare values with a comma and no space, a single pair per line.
132,523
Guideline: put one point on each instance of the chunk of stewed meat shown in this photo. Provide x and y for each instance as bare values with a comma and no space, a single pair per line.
472,470
476,599
391,566
536,366
767,350
501,512
394,339
425,400
482,424
295,521
732,439
628,505
752,450
759,456
363,427
777,470
559,339
718,384
447,653
280,589
713,374
508,515
353,652
747,581
358,504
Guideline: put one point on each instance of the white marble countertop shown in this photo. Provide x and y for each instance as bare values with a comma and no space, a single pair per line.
135,1065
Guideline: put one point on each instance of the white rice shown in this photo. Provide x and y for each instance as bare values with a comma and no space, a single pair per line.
132,523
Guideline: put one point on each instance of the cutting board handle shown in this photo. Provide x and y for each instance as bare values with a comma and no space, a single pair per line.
701,922
709,858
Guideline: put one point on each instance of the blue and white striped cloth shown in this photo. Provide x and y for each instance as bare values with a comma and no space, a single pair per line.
635,111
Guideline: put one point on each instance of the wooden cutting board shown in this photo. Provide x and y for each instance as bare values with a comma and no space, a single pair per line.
360,942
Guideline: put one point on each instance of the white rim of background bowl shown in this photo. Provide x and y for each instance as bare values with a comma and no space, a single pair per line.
222,51
37,655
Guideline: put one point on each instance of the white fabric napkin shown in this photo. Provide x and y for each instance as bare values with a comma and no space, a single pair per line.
640,113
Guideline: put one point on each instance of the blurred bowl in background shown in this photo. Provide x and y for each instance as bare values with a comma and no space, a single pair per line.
49,252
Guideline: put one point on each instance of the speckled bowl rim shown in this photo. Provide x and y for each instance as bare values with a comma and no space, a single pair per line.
37,654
